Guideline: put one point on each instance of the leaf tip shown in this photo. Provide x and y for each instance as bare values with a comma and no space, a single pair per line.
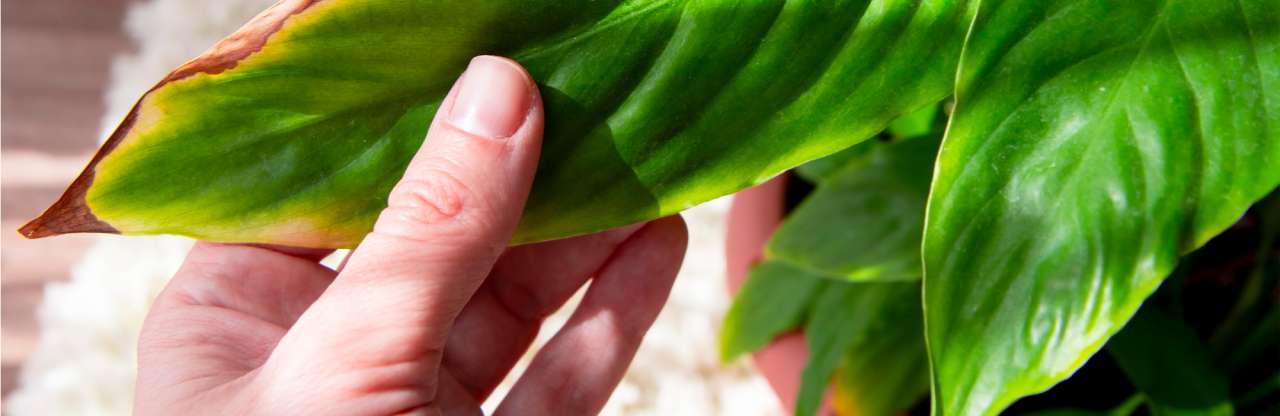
64,223
70,214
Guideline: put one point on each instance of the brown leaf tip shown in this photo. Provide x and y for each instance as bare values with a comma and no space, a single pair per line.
70,214
64,222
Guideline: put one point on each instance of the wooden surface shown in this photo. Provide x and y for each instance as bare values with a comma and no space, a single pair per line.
53,73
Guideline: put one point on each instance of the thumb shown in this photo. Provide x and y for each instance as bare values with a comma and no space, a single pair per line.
446,223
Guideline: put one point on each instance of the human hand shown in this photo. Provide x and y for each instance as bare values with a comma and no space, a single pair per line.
432,310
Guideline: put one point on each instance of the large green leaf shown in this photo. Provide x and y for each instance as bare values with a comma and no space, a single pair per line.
776,298
917,123
1170,366
1092,143
864,221
293,130
871,332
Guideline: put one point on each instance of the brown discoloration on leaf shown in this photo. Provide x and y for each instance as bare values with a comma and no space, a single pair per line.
71,213
244,42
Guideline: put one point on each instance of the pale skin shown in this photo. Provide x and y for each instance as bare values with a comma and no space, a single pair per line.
433,308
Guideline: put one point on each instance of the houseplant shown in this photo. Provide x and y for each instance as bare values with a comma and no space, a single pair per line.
1088,144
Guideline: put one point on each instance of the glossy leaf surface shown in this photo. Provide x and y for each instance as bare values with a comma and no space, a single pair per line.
1170,366
293,130
1092,143
865,220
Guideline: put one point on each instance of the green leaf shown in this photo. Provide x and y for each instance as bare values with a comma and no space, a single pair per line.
1246,333
864,222
888,372
918,123
865,321
1092,143
775,299
1256,344
1268,388
1067,412
293,130
915,124
819,170
1165,359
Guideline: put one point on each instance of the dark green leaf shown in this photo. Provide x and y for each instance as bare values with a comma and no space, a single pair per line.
1246,331
294,130
819,170
1170,366
849,318
775,298
865,221
886,373
1268,388
1092,143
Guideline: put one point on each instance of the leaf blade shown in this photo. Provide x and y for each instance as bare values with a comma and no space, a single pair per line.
775,298
849,318
1050,221
675,118
1170,366
864,221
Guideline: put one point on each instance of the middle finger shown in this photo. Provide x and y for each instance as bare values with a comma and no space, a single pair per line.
527,284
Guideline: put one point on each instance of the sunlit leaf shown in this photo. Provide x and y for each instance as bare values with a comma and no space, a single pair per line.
1092,143
293,130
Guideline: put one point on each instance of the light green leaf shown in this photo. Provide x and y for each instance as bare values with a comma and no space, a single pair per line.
864,222
1092,143
916,123
1170,366
294,130
850,319
775,299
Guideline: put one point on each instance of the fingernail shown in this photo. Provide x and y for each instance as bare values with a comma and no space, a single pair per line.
493,99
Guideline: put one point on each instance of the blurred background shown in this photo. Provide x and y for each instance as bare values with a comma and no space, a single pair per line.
72,305
57,57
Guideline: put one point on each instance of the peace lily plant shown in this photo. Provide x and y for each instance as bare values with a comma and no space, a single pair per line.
1011,179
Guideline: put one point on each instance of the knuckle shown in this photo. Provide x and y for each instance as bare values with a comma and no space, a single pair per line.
431,199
